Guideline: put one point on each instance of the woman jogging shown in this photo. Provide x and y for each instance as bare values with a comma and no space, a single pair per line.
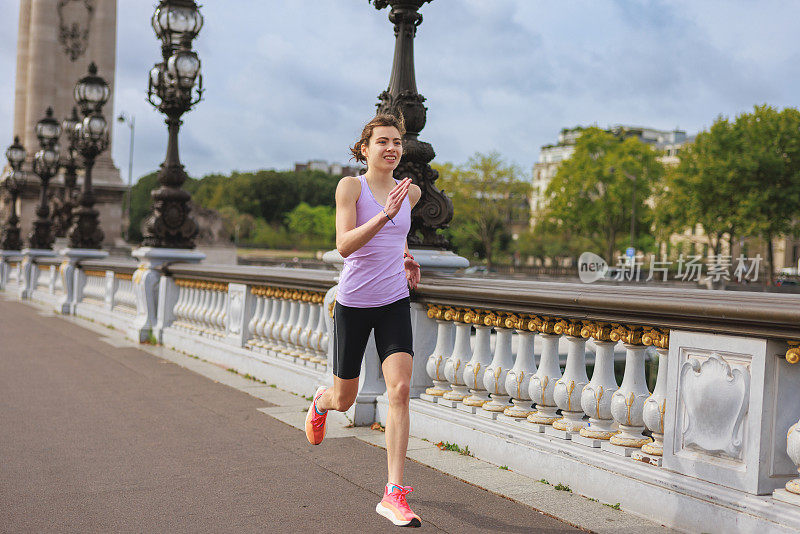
373,217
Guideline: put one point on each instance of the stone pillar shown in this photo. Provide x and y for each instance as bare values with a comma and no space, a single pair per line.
103,51
41,86
23,59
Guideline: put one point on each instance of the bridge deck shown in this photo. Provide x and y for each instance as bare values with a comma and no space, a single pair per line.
97,437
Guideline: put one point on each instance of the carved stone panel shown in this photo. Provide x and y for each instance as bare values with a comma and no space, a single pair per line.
727,411
714,397
74,22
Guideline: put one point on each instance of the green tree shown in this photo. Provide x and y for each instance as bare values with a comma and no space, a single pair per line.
740,177
768,167
703,188
317,223
488,195
593,192
267,194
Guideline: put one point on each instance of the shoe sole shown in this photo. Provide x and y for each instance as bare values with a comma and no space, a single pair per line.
388,514
308,419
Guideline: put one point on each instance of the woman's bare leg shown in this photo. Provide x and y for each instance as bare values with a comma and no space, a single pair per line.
341,396
397,373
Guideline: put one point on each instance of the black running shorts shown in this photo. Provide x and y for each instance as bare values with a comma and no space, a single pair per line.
351,329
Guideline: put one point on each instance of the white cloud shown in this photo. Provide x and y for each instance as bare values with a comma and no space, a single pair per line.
289,82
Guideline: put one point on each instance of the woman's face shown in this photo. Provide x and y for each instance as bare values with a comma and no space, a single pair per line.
384,149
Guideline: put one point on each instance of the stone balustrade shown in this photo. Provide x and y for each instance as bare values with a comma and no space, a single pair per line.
715,442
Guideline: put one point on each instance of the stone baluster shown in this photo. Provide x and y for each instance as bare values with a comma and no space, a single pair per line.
221,317
277,320
318,328
210,309
628,401
656,404
434,366
322,336
270,305
567,393
544,381
481,358
793,450
191,294
494,378
252,335
297,349
304,339
177,309
462,352
524,368
291,321
202,310
596,396
194,294
199,306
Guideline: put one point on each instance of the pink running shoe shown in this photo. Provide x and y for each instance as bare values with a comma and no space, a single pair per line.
316,423
395,508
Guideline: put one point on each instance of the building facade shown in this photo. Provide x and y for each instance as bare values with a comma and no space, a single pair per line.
336,169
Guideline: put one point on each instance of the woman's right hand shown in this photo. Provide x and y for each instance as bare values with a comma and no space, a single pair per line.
396,196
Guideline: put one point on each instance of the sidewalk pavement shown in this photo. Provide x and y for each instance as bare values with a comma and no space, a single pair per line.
101,434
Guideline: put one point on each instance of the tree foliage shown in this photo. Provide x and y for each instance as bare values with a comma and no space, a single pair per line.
488,195
740,178
259,204
592,193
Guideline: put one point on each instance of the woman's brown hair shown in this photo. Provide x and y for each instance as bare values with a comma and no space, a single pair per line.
382,119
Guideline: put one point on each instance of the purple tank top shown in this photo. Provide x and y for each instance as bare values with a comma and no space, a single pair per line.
374,275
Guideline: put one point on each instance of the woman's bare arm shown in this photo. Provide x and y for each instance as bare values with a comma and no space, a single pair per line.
350,238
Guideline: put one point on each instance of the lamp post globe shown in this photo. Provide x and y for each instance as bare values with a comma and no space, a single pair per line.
15,154
176,23
90,140
91,92
48,129
184,66
175,86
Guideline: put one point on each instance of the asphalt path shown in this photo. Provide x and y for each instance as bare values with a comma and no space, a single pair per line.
97,438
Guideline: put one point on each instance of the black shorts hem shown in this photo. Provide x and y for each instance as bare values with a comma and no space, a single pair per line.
338,375
391,350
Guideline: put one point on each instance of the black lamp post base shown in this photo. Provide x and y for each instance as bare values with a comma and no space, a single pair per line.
10,238
170,224
41,238
85,232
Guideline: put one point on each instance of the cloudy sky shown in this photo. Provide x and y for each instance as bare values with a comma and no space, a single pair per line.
291,80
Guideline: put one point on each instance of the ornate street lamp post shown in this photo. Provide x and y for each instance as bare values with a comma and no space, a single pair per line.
40,240
10,242
63,210
434,210
9,239
176,86
45,165
90,139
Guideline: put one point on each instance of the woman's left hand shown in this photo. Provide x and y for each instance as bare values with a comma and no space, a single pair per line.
412,272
